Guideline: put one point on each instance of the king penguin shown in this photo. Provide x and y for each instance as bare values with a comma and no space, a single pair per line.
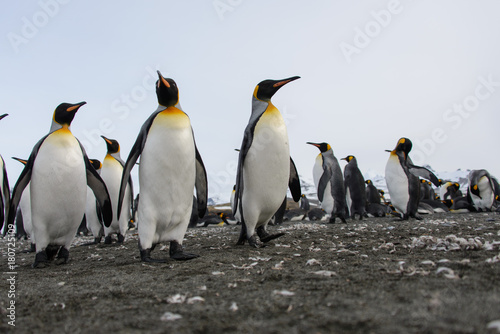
93,211
481,190
265,169
354,183
111,173
169,170
4,191
25,208
329,182
402,178
58,172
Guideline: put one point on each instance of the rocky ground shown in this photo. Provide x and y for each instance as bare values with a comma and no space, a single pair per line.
438,275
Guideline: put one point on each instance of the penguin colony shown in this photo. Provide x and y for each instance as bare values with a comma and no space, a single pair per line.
61,191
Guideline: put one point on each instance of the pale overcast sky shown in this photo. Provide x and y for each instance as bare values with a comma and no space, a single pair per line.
372,72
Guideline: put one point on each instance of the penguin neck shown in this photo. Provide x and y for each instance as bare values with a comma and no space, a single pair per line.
56,126
162,108
259,106
115,156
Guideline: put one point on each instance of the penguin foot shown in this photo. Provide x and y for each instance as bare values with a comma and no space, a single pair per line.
62,256
146,256
177,252
270,237
51,251
121,238
253,242
264,236
41,260
108,240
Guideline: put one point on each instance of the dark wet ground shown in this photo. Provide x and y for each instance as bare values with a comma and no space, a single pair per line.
439,275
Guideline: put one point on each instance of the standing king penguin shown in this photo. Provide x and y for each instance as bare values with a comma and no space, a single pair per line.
354,183
59,171
329,182
111,173
4,191
402,178
169,170
265,169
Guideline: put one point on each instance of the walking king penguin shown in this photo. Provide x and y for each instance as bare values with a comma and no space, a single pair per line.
481,190
402,180
59,171
265,169
355,192
329,182
4,191
169,170
111,173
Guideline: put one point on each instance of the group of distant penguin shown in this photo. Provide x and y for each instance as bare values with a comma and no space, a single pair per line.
60,185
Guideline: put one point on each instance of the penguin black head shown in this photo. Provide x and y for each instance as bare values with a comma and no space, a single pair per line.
166,91
267,88
323,147
96,164
475,190
24,162
368,181
348,158
404,145
113,146
423,181
65,112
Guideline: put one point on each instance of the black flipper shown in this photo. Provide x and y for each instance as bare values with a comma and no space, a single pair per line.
201,184
323,181
99,188
424,173
294,182
5,200
22,182
134,154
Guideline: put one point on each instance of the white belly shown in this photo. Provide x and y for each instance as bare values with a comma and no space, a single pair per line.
167,177
25,207
266,170
397,184
58,190
487,195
